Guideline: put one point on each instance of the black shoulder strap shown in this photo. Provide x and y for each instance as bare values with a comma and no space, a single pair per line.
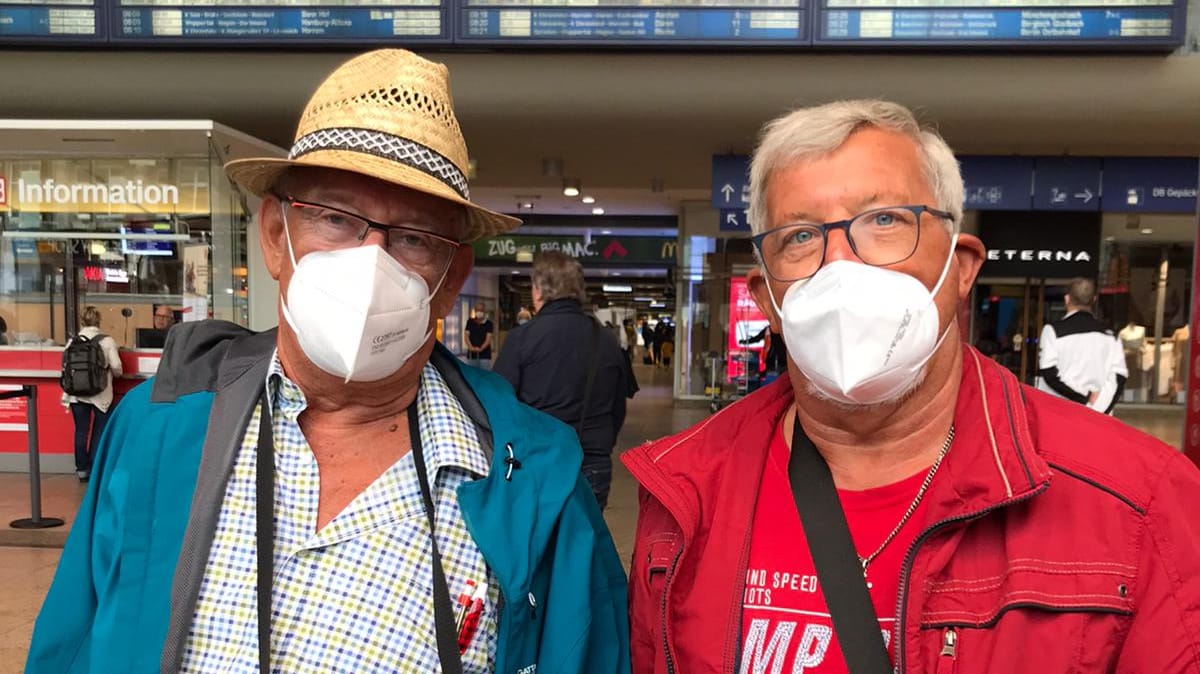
833,554
443,612
265,529
593,365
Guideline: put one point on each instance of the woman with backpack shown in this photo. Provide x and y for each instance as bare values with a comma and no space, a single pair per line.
90,362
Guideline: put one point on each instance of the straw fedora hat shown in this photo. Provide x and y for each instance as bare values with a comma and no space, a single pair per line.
386,114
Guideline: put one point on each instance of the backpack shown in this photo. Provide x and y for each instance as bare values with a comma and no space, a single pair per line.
84,367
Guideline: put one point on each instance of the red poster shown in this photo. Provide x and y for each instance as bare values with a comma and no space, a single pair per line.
746,322
12,412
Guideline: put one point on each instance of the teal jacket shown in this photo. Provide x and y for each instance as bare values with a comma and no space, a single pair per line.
125,590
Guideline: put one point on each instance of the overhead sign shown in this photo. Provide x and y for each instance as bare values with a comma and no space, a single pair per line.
1066,184
997,183
596,251
1151,185
735,221
1040,245
730,181
621,23
60,23
234,22
999,22
48,195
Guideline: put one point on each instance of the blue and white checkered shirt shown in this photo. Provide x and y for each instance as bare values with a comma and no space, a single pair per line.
357,595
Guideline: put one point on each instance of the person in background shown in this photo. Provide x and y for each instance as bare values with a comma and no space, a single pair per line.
1080,358
630,338
91,413
523,316
552,360
648,342
478,337
164,318
900,502
315,497
4,341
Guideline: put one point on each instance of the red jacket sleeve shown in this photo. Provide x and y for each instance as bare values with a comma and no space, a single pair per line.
655,546
1165,633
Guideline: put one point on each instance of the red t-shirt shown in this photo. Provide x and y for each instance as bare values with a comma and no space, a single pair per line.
785,623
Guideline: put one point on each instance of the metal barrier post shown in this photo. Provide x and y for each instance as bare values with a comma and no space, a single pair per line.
35,465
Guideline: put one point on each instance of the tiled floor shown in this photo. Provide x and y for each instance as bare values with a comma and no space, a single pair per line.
26,572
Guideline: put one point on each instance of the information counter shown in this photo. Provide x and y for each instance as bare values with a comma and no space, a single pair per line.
41,367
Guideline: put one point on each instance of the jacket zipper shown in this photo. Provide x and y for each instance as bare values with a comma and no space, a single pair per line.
910,557
948,658
666,592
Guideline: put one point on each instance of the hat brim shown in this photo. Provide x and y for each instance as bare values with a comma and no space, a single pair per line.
258,175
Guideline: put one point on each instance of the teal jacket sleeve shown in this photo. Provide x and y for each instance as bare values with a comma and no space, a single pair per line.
62,635
584,553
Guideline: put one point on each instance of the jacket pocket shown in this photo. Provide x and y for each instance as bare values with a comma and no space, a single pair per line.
1037,616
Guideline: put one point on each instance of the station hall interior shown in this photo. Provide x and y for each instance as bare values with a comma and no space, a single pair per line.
1079,161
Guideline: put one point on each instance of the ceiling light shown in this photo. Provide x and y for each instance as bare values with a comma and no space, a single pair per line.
525,205
643,299
614,288
515,272
657,305
597,211
589,200
605,232
1147,230
571,187
616,273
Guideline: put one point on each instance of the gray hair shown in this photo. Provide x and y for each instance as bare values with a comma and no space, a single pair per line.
808,133
558,276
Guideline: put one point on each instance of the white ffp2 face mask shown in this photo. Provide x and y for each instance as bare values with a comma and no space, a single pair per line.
357,313
860,334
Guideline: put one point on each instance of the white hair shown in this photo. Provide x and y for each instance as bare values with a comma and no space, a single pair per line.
808,133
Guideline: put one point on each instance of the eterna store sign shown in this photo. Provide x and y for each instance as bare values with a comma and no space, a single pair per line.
1040,244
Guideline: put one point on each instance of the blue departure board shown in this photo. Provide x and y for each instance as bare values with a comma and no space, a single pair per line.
633,22
64,22
1083,23
349,22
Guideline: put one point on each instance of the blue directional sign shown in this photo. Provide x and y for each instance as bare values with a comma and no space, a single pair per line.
734,221
997,183
1151,185
1066,184
730,181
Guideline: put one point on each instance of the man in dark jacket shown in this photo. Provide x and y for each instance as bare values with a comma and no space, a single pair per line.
548,361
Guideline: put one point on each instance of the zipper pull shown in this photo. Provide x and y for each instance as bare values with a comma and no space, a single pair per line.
532,607
950,642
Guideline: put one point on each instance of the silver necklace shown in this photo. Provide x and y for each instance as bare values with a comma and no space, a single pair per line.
912,507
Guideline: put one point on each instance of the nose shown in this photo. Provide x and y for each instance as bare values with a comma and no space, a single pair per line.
375,236
837,246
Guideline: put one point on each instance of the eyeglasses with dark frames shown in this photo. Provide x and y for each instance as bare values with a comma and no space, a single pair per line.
879,237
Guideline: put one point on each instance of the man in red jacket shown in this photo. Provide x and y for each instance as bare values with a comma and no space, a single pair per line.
987,527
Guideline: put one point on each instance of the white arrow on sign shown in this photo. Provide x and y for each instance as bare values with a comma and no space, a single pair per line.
731,219
1086,195
727,190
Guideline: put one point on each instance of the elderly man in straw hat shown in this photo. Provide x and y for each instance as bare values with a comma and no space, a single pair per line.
341,495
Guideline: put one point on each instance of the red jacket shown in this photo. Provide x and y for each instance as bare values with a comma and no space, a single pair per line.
1058,540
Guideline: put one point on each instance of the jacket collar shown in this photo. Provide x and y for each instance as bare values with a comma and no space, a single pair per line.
992,461
563,305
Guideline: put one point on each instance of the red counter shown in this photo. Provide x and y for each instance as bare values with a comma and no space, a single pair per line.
41,366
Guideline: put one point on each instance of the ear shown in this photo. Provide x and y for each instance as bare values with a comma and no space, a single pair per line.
272,237
460,268
759,290
970,252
